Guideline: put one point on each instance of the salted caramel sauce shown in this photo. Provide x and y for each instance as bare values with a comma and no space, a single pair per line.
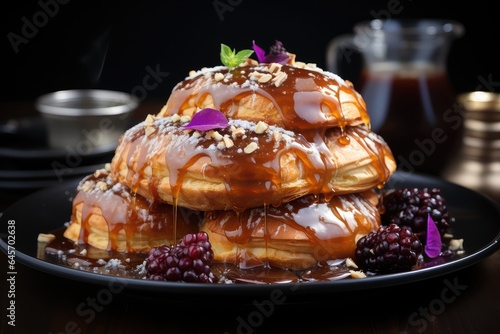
379,152
244,175
122,213
310,103
259,174
306,99
122,210
267,235
331,228
85,257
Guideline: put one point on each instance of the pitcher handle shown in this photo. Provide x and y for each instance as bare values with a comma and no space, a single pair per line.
340,48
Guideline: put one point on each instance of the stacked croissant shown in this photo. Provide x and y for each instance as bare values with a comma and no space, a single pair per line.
274,160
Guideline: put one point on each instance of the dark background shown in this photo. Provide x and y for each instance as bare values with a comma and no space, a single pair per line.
112,44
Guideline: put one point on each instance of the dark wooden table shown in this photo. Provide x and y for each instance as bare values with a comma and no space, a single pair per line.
465,301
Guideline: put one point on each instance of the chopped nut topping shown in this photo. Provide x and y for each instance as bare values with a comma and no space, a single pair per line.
99,172
87,186
250,147
217,136
218,76
221,145
42,237
279,78
265,78
192,73
175,118
237,132
107,167
185,119
227,141
275,67
255,75
350,263
102,185
261,127
212,134
456,244
276,135
196,134
149,130
357,274
249,61
150,119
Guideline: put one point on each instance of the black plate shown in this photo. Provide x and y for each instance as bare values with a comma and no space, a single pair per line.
37,179
477,222
28,141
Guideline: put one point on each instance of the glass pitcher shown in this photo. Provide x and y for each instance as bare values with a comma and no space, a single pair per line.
404,81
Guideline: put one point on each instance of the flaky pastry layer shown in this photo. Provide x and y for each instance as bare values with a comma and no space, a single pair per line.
294,96
295,235
247,164
109,217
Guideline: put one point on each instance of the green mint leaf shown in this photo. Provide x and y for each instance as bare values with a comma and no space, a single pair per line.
230,58
242,55
225,54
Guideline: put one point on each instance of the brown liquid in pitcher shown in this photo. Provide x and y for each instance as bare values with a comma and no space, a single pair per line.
416,113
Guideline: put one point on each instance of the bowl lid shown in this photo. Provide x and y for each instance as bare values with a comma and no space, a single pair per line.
86,102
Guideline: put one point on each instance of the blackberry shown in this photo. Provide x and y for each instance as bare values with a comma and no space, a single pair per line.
411,206
188,261
390,249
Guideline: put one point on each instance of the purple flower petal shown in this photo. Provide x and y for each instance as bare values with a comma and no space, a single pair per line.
433,243
259,52
207,119
281,58
277,55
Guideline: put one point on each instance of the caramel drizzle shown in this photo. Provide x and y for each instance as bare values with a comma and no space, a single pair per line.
305,100
331,226
308,102
258,174
115,208
123,212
